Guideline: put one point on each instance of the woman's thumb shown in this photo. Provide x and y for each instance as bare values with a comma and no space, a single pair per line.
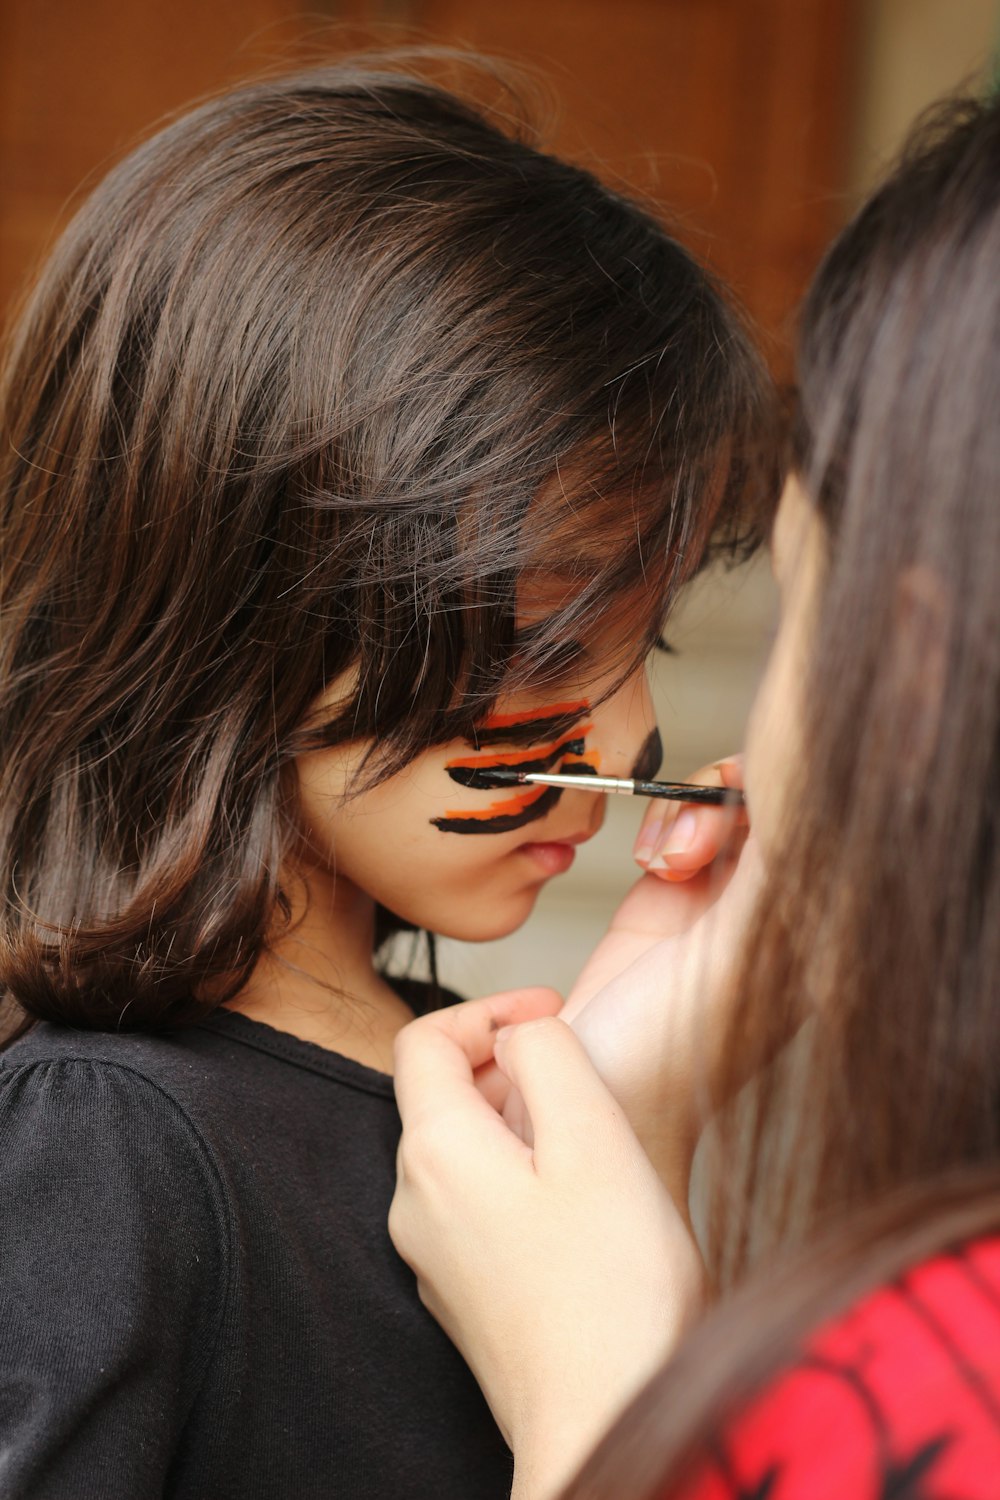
548,1067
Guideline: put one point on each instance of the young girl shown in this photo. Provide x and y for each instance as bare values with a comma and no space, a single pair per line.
854,1202
351,447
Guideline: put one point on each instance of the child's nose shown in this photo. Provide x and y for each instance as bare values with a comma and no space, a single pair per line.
626,737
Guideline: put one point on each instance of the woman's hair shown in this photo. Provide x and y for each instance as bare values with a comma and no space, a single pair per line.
878,1140
318,378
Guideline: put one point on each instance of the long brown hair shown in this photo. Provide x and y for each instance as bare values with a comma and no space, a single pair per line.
880,1143
284,405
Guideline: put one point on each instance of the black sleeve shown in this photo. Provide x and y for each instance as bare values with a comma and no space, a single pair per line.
113,1260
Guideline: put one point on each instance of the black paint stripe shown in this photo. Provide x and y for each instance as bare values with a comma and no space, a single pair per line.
483,778
528,732
503,822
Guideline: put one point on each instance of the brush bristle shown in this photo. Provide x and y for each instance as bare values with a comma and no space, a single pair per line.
485,778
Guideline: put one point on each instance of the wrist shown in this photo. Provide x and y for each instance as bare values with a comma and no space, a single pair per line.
669,1139
546,1461
552,1438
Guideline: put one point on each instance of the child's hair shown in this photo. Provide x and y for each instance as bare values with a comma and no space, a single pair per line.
317,378
878,1143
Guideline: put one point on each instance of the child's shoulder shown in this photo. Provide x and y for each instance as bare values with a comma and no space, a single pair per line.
55,1062
95,1144
87,1096
197,1063
209,1080
133,1110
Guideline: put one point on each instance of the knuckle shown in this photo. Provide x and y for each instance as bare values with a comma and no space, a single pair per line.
402,1044
422,1148
397,1223
541,1031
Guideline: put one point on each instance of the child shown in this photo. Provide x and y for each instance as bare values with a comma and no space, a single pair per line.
352,446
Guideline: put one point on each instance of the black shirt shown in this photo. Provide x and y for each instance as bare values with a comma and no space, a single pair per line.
198,1295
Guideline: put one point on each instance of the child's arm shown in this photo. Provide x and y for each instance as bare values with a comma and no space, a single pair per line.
112,1277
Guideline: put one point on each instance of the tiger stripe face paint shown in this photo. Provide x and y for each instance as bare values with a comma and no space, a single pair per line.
389,842
531,728
557,741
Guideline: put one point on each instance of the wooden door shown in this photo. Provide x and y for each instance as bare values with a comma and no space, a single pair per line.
732,114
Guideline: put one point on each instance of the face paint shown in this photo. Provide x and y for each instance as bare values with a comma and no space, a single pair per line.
503,817
532,728
475,771
516,811
649,759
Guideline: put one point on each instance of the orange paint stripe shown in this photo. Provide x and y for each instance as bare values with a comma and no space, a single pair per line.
504,721
515,757
513,804
591,759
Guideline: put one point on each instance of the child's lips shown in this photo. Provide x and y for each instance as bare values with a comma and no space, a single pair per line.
556,855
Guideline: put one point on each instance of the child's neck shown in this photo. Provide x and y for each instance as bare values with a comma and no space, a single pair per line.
319,982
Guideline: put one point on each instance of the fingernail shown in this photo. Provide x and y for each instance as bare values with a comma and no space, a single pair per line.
678,841
665,872
646,840
642,851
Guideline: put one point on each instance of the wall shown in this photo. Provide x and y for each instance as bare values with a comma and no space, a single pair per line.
912,52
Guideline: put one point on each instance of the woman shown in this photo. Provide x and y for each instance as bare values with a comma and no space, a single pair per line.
853,1194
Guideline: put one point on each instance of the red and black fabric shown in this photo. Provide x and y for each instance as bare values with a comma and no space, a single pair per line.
897,1399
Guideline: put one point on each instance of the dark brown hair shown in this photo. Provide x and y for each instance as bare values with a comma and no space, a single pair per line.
316,377
879,1143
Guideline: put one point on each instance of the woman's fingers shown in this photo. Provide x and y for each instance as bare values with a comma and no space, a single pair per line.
442,1051
492,1085
549,1071
677,840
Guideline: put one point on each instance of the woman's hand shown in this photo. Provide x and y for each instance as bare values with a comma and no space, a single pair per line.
650,1004
561,1270
654,1030
689,853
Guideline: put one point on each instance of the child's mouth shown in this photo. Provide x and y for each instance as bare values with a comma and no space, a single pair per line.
554,859
555,856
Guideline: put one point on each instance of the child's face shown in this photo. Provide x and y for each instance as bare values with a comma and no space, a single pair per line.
465,862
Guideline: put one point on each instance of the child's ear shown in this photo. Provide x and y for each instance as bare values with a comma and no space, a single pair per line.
921,628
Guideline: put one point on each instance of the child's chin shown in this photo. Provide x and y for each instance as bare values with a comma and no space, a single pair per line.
486,927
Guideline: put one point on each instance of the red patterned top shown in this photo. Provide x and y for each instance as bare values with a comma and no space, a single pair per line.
897,1399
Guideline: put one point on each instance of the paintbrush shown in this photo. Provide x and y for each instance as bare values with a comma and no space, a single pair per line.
672,791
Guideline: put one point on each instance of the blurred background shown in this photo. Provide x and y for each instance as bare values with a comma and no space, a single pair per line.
756,124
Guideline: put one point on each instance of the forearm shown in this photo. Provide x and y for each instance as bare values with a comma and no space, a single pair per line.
643,1035
590,1391
544,1472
